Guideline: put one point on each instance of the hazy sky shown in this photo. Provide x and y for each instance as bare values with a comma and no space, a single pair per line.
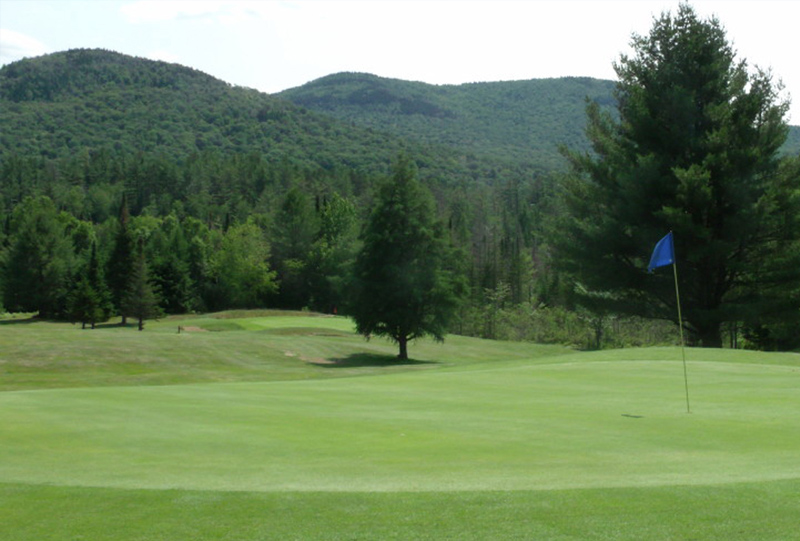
274,45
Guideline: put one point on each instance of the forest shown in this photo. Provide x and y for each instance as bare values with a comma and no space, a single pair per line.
136,187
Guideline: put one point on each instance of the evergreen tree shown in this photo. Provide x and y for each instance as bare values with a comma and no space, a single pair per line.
294,232
90,299
405,283
694,150
121,261
170,267
141,299
38,261
85,304
330,262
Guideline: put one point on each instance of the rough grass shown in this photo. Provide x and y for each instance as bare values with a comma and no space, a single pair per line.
223,435
217,348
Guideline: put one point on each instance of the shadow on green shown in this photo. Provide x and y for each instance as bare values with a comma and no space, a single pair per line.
360,360
25,321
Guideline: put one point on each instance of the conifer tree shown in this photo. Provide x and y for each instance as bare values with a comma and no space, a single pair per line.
90,300
85,304
406,286
294,232
693,150
141,299
121,262
38,261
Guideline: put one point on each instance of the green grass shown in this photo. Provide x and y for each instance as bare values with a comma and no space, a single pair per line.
222,435
219,348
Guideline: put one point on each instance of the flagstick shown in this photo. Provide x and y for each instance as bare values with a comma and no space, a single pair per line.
680,328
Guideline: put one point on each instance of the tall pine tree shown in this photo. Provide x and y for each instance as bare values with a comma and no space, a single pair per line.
90,299
141,299
693,150
121,262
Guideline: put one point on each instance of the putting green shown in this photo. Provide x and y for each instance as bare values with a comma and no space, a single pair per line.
579,421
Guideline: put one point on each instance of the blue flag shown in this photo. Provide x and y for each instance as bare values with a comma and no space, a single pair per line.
663,254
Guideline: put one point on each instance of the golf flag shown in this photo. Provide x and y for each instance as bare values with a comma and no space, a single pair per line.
663,254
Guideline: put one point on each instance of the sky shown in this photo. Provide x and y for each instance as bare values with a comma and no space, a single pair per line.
274,45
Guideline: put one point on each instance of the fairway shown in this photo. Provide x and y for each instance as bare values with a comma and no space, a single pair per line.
505,441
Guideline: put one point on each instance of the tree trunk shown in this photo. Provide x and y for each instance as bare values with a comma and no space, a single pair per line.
403,342
710,337
141,323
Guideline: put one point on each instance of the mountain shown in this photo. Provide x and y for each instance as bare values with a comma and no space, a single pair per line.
519,121
59,104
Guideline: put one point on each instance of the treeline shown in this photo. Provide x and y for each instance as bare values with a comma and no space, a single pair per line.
216,232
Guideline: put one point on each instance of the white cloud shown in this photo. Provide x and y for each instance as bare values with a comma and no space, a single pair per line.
15,46
147,11
227,12
166,56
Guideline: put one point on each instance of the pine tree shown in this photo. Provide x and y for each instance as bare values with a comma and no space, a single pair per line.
170,266
85,304
693,150
294,232
90,300
141,299
405,284
121,262
38,261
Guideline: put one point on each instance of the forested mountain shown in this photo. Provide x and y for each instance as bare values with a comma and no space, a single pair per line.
520,121
59,104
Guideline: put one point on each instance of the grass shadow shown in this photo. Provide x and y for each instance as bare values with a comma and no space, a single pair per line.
21,321
113,325
364,360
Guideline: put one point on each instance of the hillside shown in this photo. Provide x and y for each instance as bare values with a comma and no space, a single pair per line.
520,121
59,104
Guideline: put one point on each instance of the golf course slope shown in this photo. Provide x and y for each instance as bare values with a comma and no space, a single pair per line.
290,426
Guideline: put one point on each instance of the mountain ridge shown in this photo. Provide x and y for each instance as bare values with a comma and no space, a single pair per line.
55,104
523,121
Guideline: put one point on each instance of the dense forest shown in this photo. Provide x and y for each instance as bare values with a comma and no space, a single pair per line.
124,179
518,121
